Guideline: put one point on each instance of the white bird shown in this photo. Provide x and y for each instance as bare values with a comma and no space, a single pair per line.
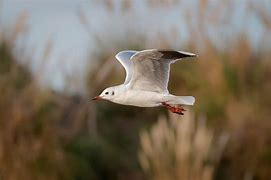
146,82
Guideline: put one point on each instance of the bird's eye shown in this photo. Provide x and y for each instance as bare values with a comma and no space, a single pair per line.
113,93
106,93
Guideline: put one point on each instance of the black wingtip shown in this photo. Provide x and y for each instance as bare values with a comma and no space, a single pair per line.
168,54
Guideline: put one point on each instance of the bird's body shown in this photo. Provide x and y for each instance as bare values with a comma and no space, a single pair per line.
136,97
126,96
147,75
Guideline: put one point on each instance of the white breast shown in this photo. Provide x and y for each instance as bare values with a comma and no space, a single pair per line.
139,98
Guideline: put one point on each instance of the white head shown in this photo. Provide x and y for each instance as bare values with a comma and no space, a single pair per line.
107,94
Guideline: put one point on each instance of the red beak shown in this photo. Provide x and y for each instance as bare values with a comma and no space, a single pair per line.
96,98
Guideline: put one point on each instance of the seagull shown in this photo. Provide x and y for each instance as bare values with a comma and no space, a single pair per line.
146,81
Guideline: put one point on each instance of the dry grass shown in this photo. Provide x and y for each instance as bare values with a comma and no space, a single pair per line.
180,148
35,124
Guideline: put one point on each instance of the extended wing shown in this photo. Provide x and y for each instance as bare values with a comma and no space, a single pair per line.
124,58
151,69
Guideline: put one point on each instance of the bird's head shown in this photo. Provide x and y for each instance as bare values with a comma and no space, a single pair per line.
107,94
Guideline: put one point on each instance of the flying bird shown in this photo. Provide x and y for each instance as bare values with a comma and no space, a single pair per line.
146,82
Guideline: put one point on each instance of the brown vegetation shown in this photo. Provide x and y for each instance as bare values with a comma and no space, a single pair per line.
49,135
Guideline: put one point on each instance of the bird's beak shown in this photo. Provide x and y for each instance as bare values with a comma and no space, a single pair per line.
96,98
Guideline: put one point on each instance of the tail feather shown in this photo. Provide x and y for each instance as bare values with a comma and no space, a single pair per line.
185,100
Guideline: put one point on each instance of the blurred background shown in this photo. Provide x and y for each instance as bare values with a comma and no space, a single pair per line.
56,55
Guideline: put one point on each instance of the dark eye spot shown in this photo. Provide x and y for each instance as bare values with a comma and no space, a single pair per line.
113,93
106,93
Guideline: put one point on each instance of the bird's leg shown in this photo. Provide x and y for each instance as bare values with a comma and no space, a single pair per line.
175,109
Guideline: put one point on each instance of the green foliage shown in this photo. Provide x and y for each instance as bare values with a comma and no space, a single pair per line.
231,78
91,158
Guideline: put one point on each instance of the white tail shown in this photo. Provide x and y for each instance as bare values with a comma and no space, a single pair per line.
185,100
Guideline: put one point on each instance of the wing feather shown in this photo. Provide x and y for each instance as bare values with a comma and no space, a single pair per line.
124,58
152,68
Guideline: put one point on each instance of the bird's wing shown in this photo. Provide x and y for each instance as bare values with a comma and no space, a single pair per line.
124,58
151,69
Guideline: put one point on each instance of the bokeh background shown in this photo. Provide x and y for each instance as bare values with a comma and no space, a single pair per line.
56,55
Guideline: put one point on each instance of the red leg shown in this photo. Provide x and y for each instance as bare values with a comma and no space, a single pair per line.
175,109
